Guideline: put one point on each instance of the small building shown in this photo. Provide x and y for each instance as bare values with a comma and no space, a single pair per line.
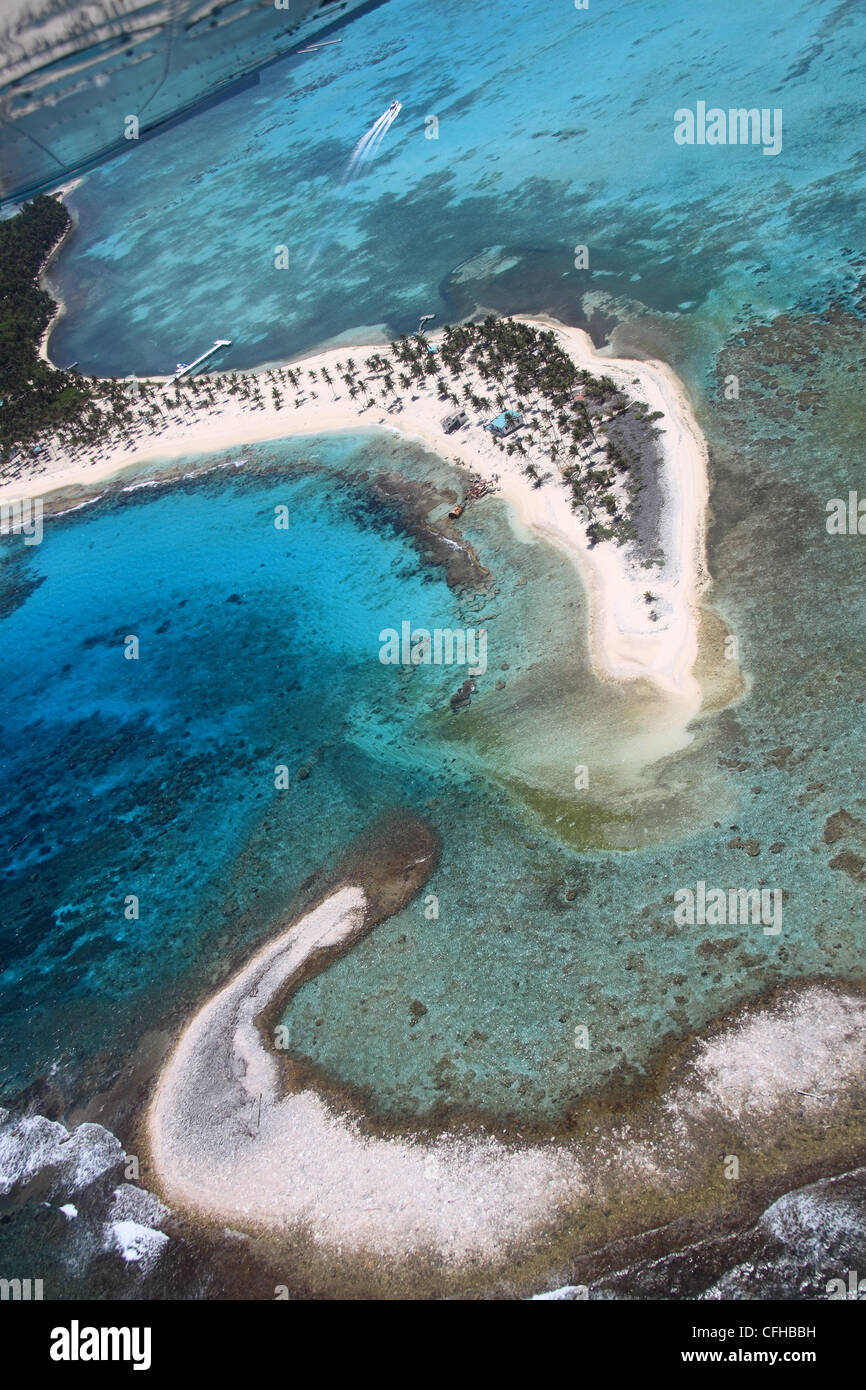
506,423
455,421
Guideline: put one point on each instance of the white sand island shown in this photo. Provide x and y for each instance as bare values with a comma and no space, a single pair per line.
631,639
230,1141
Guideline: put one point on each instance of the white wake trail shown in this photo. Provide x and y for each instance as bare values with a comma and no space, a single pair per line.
376,131
374,144
363,152
369,143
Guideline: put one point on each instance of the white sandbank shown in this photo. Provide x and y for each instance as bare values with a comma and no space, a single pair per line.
227,1143
626,643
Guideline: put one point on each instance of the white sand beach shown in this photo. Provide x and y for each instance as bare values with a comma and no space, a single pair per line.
626,643
227,1140
224,1140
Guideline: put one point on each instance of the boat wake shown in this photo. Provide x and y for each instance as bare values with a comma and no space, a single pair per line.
363,153
369,144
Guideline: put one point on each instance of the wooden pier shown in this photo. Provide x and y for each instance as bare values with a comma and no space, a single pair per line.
191,366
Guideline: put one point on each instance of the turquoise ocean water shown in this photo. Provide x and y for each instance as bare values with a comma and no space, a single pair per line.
555,129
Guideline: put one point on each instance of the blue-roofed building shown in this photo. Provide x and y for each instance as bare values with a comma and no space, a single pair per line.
506,423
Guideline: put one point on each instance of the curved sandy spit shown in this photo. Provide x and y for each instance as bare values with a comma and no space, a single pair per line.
626,644
227,1143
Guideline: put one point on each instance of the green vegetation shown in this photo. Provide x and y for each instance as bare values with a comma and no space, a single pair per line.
573,426
35,396
565,411
40,403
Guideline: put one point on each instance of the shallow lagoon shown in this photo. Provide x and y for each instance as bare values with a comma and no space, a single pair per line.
555,129
258,649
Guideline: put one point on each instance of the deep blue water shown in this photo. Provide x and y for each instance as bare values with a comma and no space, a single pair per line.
258,649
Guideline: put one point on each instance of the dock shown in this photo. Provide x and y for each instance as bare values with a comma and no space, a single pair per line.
191,366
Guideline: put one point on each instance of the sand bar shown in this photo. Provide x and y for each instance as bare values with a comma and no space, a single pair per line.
230,1141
